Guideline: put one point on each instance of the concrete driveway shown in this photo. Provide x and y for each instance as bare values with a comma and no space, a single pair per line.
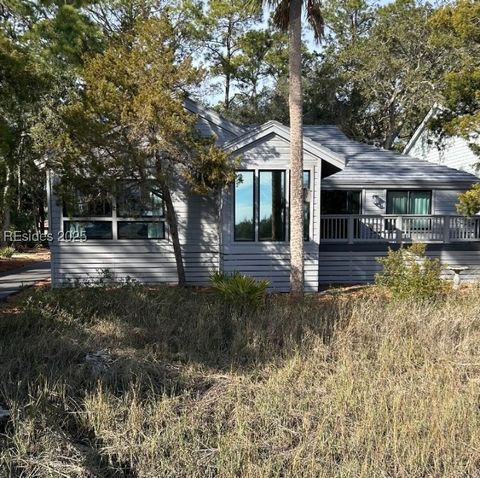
13,281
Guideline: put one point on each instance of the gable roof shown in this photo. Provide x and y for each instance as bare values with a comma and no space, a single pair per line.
275,128
360,165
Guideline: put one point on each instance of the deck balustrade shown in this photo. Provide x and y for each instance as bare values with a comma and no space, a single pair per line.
394,228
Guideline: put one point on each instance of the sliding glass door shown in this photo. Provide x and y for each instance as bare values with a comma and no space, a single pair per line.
409,202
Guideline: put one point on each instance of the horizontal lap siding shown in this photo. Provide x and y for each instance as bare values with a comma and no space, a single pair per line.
357,264
78,261
453,152
149,261
272,267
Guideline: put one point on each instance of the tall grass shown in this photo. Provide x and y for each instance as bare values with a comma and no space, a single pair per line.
343,387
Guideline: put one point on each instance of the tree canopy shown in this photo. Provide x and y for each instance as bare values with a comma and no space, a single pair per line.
377,72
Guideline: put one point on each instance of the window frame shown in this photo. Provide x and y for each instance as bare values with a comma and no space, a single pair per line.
141,238
409,191
306,231
257,227
256,206
347,192
115,219
92,219
139,217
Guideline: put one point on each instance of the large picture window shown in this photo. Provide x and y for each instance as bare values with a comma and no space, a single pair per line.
260,205
244,213
409,202
272,207
136,212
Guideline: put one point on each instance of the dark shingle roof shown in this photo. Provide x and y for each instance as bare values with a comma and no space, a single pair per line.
368,165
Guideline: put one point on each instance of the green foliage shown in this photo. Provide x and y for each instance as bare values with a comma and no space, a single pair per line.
469,201
219,30
7,251
408,273
240,289
130,120
456,28
388,72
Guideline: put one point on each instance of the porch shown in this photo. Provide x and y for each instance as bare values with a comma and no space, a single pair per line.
389,228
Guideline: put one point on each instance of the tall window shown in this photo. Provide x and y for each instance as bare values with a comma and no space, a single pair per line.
306,205
341,202
409,202
244,206
260,205
272,212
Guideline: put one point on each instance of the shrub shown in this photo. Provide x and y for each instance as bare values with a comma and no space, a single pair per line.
240,289
7,251
408,273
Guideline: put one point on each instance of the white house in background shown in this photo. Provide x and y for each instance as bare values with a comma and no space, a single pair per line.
359,200
452,151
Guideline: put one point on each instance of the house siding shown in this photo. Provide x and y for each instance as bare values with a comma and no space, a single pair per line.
453,152
271,260
148,261
356,264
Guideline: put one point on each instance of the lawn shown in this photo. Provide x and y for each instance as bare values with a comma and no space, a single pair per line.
154,382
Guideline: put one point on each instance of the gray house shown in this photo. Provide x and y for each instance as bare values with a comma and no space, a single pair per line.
451,151
359,200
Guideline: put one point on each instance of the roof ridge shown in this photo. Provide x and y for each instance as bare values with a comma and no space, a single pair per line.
209,114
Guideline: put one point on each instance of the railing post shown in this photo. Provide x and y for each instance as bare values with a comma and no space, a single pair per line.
399,229
350,229
446,229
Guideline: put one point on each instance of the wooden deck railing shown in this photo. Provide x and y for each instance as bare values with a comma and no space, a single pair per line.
392,228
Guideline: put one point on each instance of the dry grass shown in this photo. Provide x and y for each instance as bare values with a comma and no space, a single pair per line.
344,387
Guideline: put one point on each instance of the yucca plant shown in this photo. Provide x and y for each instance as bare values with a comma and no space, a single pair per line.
240,289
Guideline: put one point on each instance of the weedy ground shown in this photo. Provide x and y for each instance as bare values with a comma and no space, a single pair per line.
182,384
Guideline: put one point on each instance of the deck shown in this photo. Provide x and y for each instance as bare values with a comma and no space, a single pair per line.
442,229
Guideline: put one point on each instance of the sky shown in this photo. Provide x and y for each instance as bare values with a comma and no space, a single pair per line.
215,97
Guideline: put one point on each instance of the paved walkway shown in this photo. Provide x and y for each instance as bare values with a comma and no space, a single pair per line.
16,279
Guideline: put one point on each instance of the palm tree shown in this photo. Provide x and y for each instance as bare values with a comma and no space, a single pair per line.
288,17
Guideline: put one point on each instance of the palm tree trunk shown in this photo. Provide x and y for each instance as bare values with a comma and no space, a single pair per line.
296,147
